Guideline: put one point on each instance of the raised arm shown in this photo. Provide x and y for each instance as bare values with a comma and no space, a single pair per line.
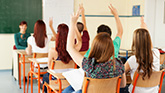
118,23
52,29
76,56
143,24
83,16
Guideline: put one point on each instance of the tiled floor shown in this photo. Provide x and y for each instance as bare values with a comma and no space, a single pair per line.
9,85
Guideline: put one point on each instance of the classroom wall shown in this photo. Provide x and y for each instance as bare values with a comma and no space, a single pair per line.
92,7
124,8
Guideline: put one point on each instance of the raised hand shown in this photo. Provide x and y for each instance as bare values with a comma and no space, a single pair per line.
143,24
81,8
75,16
113,10
51,21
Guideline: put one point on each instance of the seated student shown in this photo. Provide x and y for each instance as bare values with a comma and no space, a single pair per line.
21,37
102,50
39,42
104,28
83,28
145,60
59,52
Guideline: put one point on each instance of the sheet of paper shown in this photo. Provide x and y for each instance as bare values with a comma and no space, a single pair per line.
45,59
75,78
61,70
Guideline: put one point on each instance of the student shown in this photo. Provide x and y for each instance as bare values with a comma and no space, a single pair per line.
21,37
145,58
102,50
104,28
39,42
59,52
82,28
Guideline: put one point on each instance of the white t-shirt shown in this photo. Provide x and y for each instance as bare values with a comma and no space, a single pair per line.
134,65
36,49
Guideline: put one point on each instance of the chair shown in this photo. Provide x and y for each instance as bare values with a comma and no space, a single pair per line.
128,78
155,80
61,83
14,47
162,58
37,74
83,52
108,85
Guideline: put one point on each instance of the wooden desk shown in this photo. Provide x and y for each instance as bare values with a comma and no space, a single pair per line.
34,61
59,84
22,60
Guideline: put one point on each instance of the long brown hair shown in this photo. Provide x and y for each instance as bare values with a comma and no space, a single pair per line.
141,47
102,48
61,40
40,33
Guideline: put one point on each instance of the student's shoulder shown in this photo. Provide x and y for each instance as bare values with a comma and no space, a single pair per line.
30,38
17,34
118,61
117,39
155,50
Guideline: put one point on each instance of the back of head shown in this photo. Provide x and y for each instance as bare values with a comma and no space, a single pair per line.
61,40
80,26
104,28
23,23
102,47
40,33
141,46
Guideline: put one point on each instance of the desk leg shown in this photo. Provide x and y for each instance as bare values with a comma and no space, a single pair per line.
38,78
31,65
24,73
60,86
19,73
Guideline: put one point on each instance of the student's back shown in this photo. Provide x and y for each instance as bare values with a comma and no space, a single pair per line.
105,28
146,60
39,42
99,63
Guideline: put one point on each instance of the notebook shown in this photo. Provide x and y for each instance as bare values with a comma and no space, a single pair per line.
75,78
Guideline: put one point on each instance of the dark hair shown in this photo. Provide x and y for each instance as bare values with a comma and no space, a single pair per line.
61,40
104,28
80,26
141,47
23,23
40,33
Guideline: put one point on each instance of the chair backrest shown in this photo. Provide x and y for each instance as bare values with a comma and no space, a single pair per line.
162,58
83,52
40,55
14,47
154,80
58,64
109,85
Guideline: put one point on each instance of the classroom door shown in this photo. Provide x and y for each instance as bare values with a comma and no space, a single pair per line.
160,23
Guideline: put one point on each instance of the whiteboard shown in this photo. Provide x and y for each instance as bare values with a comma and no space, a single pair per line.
60,10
